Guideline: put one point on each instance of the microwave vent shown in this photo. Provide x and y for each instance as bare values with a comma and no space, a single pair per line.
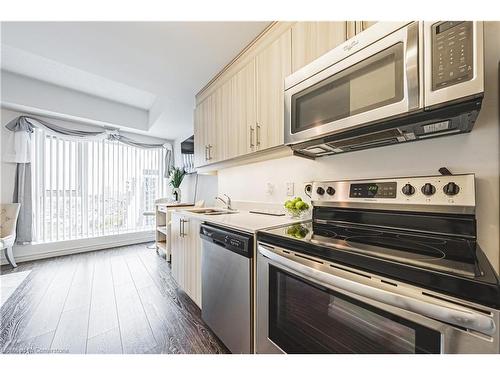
382,138
454,118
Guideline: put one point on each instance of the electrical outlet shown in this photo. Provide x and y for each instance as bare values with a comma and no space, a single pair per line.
289,189
269,189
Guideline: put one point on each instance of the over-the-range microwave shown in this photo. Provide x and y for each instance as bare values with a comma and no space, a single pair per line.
395,82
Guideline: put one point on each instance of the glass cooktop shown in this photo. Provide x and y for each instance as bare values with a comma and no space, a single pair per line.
451,255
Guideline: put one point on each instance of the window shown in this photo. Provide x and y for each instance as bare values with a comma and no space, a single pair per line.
90,188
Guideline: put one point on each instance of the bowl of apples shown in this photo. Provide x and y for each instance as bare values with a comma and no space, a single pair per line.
296,208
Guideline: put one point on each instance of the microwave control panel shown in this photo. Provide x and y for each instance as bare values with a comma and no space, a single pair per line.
452,53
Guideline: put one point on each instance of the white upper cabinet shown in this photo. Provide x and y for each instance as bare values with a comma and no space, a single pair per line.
310,40
273,65
355,27
243,108
242,111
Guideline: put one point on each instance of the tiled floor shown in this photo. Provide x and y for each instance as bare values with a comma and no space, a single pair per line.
121,300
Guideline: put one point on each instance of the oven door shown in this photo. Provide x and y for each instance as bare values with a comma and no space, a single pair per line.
300,311
376,82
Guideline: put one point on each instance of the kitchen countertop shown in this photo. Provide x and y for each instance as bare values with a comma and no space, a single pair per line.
174,204
243,220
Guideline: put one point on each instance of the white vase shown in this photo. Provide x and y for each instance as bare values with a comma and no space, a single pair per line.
176,195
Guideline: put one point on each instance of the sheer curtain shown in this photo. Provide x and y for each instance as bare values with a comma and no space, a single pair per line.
88,188
77,146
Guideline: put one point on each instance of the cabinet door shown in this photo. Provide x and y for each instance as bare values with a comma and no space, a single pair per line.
185,257
363,25
310,40
176,246
204,120
193,255
273,65
243,109
210,120
355,27
199,138
227,131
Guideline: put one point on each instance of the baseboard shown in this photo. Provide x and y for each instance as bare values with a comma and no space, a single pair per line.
26,253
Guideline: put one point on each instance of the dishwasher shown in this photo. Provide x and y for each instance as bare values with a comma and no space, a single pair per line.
226,269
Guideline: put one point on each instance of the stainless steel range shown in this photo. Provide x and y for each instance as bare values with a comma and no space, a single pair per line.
385,266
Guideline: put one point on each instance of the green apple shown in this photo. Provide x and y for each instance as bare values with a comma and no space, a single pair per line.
300,205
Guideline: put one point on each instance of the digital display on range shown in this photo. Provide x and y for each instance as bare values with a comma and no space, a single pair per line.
373,190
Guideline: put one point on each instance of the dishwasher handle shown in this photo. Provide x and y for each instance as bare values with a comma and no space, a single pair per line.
219,243
232,240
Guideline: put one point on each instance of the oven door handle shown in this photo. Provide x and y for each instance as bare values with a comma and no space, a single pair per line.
458,316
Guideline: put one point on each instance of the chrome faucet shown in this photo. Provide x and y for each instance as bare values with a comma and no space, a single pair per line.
226,201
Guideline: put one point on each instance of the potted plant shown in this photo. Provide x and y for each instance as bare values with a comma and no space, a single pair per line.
176,177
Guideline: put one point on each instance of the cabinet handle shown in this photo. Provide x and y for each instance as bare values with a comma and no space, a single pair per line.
184,228
180,227
257,132
210,152
251,137
206,149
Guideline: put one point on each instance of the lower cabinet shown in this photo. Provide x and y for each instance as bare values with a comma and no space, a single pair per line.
186,255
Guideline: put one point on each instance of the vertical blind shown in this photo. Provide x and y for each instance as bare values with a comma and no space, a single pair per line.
89,188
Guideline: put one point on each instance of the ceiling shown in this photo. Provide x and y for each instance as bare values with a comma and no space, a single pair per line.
154,66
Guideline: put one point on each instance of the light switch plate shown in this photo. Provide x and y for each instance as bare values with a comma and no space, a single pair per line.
289,189
269,189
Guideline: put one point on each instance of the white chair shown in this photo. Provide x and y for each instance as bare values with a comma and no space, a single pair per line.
8,222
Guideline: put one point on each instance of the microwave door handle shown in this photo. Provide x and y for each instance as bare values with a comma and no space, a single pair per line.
458,316
412,66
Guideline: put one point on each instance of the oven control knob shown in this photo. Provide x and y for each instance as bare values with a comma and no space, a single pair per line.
330,190
320,190
428,189
451,188
408,189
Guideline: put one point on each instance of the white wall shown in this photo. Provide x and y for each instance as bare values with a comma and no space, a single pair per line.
45,98
477,152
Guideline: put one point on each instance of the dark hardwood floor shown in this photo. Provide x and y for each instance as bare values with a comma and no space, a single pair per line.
121,300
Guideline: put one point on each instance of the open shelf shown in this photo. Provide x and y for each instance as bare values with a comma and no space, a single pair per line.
162,245
162,229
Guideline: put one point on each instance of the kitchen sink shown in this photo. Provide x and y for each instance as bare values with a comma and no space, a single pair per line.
212,211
